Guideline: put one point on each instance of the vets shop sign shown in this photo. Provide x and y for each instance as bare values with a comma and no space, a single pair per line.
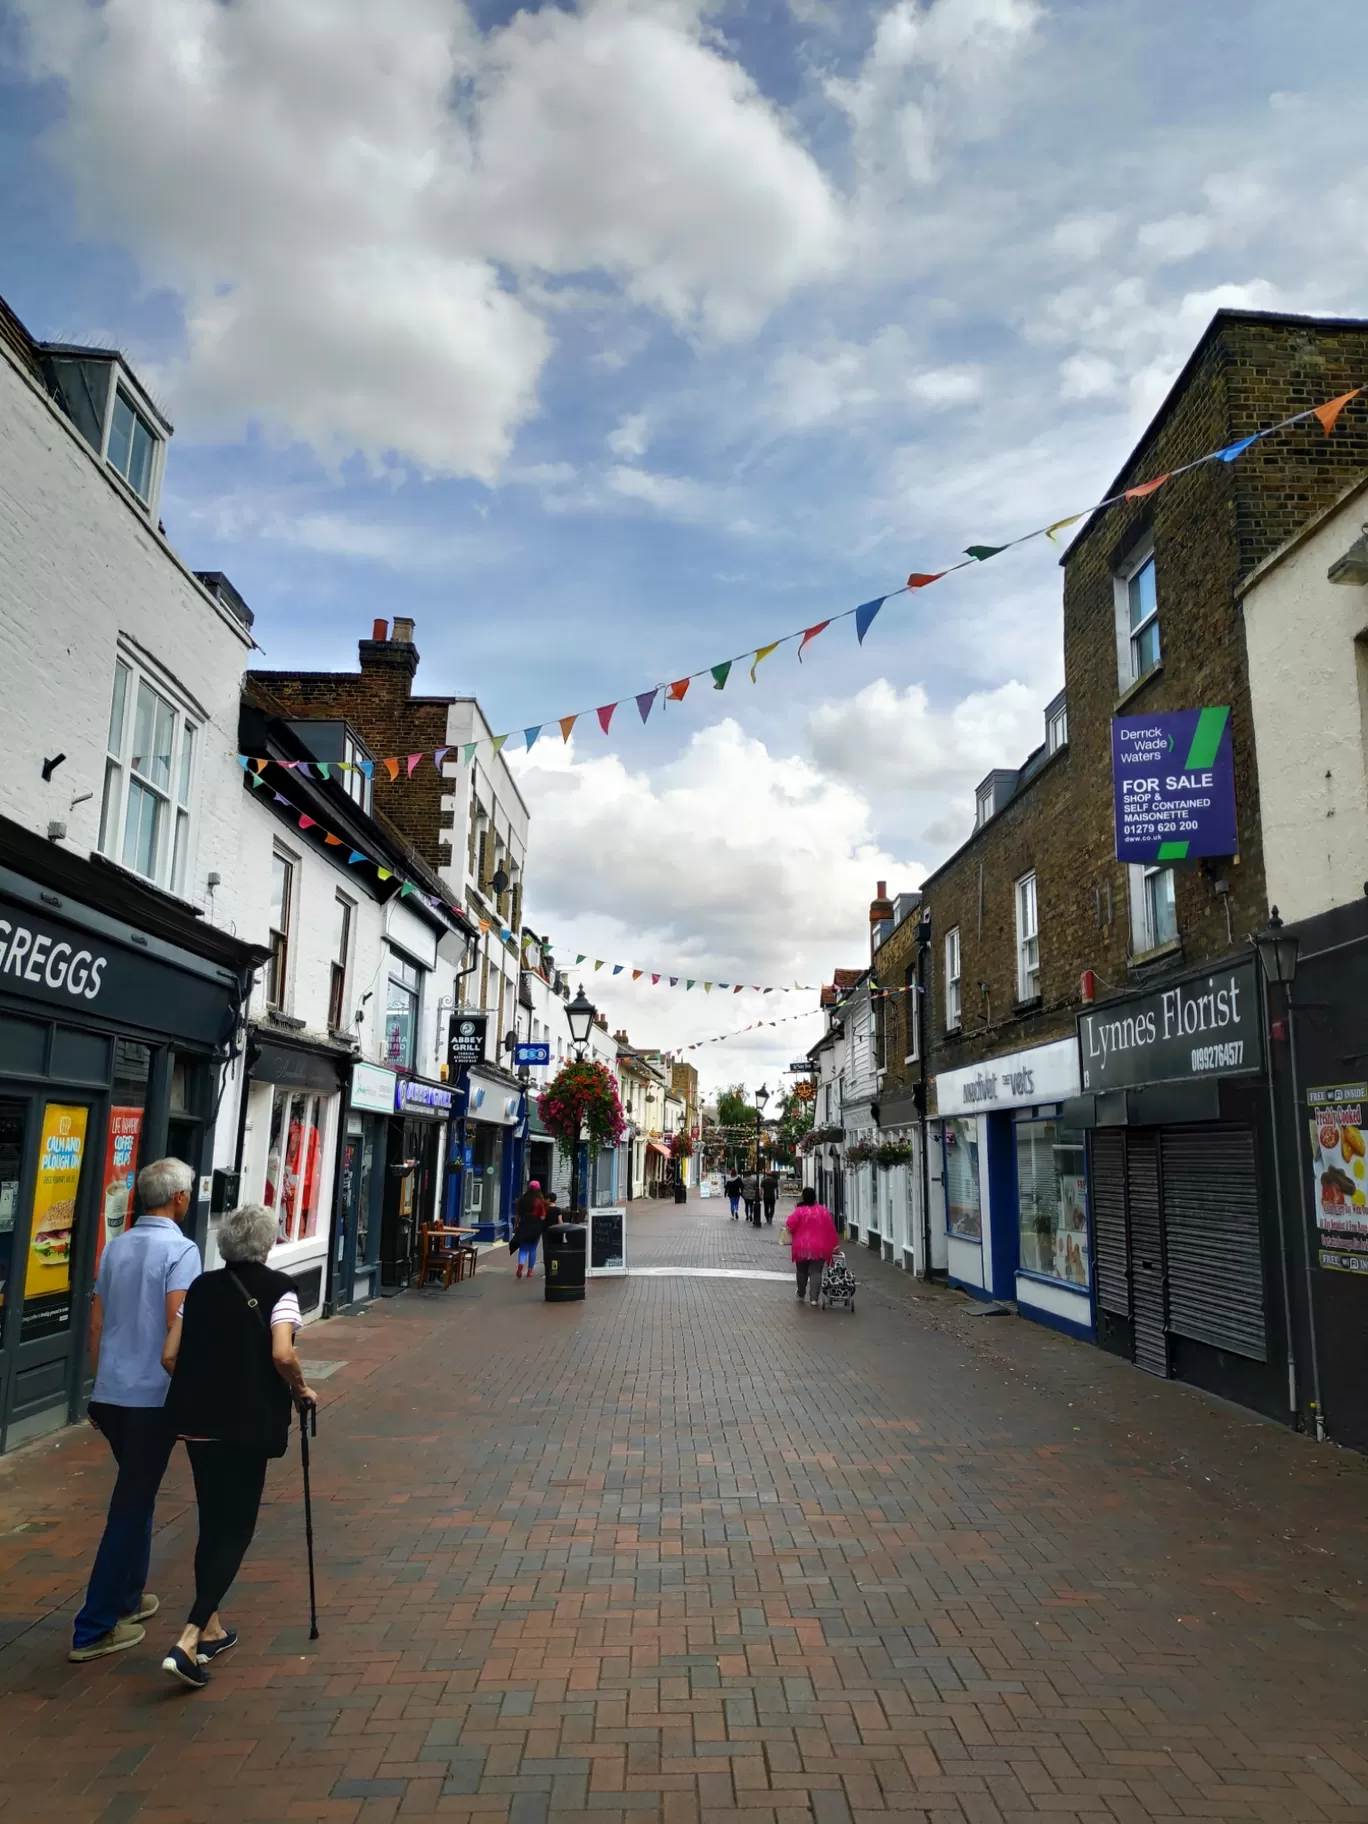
1206,1026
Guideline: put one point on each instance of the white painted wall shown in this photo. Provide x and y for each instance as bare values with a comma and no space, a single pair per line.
1308,681
81,565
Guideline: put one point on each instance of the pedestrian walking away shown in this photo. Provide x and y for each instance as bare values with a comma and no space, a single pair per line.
142,1279
529,1225
733,1189
814,1242
235,1375
769,1190
750,1191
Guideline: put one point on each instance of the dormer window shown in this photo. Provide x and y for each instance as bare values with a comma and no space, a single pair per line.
132,446
1056,725
983,804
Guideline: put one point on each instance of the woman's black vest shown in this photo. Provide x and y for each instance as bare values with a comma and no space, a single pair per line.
225,1384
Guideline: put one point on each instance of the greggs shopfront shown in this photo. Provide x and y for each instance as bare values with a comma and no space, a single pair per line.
112,1032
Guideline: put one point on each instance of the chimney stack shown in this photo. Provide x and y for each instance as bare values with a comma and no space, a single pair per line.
880,918
403,631
379,630
397,656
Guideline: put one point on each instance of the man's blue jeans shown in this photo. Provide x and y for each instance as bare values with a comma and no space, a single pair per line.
142,1441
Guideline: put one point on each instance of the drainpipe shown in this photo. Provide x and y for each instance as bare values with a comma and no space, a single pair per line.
1293,1398
1308,1222
924,1039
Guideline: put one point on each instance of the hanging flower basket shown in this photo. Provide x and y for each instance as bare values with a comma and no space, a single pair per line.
860,1152
821,1136
681,1146
893,1152
584,1100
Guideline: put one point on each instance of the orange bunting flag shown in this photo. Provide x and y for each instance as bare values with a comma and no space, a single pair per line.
811,633
1146,487
1330,411
566,724
605,715
260,766
392,768
919,579
637,974
678,690
336,841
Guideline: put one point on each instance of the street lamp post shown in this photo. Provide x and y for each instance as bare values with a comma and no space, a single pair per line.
579,1016
761,1097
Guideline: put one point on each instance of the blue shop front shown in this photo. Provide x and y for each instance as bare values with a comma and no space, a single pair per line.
1016,1189
488,1139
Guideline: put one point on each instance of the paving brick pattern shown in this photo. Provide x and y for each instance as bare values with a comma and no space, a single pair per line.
690,1552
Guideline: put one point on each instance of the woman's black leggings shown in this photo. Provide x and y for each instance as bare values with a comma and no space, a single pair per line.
229,1479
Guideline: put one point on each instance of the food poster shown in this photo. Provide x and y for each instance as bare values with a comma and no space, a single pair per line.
120,1171
1339,1171
61,1154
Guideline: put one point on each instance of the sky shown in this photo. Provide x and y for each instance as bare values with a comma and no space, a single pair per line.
610,340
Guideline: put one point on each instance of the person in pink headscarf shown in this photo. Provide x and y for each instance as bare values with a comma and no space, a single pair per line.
812,1232
529,1221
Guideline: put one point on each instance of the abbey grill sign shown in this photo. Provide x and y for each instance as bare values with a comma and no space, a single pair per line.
1205,1026
1173,776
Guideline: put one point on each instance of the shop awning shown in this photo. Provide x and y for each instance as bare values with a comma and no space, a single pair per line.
657,1147
493,1099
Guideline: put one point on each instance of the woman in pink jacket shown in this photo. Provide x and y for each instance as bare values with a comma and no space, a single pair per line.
815,1242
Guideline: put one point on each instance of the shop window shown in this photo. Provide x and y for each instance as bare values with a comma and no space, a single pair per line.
963,1206
146,814
294,1164
1154,907
337,988
401,1012
952,980
1052,1201
1028,939
132,447
280,915
1137,618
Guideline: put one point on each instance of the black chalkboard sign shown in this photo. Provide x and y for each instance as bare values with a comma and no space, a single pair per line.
606,1240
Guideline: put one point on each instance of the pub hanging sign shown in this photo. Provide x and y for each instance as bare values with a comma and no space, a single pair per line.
1173,776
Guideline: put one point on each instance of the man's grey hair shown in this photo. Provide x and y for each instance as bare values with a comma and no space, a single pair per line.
247,1233
160,1182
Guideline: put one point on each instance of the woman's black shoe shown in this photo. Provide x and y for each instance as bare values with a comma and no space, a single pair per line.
189,1671
210,1649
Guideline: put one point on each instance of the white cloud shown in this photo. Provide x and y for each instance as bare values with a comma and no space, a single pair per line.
631,436
340,232
893,739
842,379
729,861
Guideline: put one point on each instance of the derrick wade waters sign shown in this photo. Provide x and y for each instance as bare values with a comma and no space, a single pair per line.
1174,780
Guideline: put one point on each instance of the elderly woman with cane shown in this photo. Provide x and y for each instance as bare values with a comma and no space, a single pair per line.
234,1377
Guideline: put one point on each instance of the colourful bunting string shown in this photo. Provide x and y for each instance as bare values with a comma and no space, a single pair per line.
1330,411
719,674
646,702
762,653
810,634
605,715
566,724
530,736
864,616
679,690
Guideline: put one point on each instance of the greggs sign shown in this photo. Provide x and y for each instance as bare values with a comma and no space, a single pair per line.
34,956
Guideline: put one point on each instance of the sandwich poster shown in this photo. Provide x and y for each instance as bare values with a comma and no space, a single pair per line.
61,1154
1339,1168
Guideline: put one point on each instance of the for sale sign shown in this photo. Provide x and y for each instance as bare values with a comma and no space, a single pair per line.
1173,775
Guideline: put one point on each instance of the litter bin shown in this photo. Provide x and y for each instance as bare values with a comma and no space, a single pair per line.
681,1194
565,1254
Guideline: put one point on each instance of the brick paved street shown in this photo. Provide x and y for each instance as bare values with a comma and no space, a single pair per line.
688,1551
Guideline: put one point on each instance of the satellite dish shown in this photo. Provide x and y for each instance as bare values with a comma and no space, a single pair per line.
500,881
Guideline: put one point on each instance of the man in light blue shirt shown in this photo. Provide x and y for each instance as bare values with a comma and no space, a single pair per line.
138,1291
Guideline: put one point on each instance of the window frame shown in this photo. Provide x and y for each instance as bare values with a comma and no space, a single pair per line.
173,798
119,392
1140,556
275,985
358,772
339,965
396,962
1144,933
1027,898
954,1005
1057,729
912,1016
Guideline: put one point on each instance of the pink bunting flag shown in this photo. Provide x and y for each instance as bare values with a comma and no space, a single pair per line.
413,760
605,715
811,634
1146,487
306,823
655,981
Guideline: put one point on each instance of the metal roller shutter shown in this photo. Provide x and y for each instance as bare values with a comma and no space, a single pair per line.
1211,1228
1108,1185
1147,1251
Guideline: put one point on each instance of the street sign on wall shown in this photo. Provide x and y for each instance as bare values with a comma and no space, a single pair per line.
531,1054
1173,776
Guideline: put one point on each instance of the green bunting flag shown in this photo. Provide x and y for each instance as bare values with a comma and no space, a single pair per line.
981,553
719,675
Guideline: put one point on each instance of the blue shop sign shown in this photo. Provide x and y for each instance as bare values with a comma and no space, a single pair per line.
531,1054
411,1092
1173,776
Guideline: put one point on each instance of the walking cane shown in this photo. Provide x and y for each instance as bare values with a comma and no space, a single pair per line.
308,1422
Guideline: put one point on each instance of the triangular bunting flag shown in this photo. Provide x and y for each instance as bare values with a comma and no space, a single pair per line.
1232,450
724,984
407,888
674,981
280,798
864,616
244,763
367,767
1330,411
1145,487
530,736
599,964
355,856
637,974
687,985
498,742
468,752
737,988
260,765
392,768
719,675
306,823
334,842
324,769
655,981
566,724
981,553
437,758
646,702
1060,525
679,690
580,957
811,634
385,873
617,968
921,579
707,987
256,780
413,760
762,653
605,715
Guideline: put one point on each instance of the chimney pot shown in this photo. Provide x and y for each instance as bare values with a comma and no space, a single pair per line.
403,631
883,890
379,630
